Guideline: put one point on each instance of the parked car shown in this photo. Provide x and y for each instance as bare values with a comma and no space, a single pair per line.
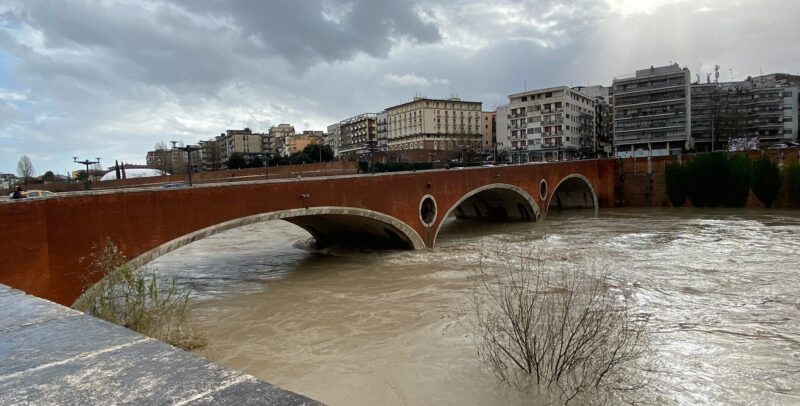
778,146
793,144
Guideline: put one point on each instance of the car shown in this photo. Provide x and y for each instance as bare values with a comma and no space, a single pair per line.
778,146
174,185
34,194
793,144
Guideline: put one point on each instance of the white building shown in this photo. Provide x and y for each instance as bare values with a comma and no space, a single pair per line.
652,113
548,124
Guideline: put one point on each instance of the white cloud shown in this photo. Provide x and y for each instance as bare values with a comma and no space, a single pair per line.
411,80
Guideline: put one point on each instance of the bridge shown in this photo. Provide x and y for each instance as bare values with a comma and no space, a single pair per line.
46,242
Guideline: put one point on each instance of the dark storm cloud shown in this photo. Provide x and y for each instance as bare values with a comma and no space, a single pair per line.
312,30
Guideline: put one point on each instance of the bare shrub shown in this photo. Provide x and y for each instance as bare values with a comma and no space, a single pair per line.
558,329
134,299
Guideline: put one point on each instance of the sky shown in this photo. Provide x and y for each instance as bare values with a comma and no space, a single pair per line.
111,78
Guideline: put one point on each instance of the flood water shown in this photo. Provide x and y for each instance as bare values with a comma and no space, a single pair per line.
346,327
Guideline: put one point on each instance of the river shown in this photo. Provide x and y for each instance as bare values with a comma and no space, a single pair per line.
350,327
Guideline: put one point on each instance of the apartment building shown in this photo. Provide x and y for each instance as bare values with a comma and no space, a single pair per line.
167,160
503,141
602,144
333,138
760,110
550,124
383,132
277,138
244,142
652,113
489,131
298,142
358,135
434,124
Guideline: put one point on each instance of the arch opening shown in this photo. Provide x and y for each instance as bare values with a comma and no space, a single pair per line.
328,225
573,192
494,203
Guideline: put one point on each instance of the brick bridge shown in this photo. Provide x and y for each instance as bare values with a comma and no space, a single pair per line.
44,241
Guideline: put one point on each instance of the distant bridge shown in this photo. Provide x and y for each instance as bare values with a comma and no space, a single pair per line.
44,241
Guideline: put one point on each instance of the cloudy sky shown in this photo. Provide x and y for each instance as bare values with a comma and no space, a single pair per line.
110,78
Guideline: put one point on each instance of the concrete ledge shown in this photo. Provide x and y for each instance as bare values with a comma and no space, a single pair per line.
53,355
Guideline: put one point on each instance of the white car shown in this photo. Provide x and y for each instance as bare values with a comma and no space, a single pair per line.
34,194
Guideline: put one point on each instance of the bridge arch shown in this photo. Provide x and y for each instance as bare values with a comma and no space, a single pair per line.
575,191
494,202
323,223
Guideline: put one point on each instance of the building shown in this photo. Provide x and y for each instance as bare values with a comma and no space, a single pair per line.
603,118
383,132
435,124
358,135
489,131
298,142
277,137
550,124
505,151
167,160
652,114
244,142
333,139
760,110
209,156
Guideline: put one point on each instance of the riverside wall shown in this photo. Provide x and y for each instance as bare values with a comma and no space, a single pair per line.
641,182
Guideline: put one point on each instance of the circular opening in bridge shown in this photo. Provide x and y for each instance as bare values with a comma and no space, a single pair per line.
543,189
427,210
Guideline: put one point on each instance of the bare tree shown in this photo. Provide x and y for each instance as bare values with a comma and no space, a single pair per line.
25,168
558,330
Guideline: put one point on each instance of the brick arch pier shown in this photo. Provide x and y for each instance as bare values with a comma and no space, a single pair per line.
44,241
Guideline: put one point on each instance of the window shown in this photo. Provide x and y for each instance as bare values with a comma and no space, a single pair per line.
787,93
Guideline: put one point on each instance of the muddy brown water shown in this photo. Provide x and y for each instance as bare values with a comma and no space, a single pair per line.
347,327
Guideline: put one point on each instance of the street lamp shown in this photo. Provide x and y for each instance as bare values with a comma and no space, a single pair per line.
87,163
267,157
189,149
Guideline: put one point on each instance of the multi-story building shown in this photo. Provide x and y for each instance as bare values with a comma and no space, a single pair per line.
489,131
358,135
244,142
505,151
298,142
333,139
652,114
435,124
603,118
550,124
733,115
383,132
167,160
277,136
210,156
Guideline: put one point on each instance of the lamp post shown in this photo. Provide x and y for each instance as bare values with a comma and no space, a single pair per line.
87,163
267,157
189,149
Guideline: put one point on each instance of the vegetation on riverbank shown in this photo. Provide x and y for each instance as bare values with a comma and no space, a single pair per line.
719,180
134,299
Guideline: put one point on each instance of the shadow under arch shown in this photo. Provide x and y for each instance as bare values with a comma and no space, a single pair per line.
575,191
327,224
494,202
